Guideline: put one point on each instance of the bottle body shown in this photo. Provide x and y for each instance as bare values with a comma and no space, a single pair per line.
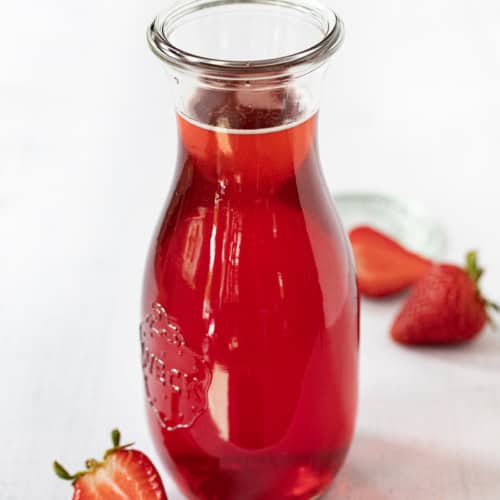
251,316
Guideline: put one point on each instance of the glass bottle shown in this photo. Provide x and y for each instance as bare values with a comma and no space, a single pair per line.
250,324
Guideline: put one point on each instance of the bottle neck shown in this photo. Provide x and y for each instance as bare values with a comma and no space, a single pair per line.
248,137
248,104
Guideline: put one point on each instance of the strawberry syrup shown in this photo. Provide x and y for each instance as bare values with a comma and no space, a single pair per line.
250,330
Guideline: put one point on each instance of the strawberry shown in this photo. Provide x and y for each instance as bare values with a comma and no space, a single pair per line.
444,307
123,474
384,267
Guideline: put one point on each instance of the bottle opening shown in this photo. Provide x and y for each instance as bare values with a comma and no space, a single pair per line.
246,39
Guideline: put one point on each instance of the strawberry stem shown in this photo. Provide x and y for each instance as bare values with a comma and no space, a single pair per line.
494,306
115,438
91,464
62,472
473,270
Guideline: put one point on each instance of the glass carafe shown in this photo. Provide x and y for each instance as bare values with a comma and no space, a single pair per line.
250,309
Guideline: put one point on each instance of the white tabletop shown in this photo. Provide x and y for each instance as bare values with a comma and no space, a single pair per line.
87,147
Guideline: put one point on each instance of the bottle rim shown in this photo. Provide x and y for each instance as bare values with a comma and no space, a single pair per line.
297,63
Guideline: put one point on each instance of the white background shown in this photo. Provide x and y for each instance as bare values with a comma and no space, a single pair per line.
87,147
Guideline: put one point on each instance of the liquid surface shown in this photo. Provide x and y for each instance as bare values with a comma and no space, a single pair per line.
250,331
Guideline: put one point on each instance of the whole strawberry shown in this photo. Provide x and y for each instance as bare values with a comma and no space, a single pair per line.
444,307
123,474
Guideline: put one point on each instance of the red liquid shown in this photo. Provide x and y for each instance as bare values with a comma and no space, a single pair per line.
250,353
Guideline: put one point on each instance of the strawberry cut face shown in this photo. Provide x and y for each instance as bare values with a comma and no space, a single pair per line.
123,474
126,474
383,266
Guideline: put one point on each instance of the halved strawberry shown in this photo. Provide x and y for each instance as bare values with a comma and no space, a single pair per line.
123,474
384,267
444,307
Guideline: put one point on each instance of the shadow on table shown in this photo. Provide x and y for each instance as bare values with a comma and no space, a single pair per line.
379,469
482,353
